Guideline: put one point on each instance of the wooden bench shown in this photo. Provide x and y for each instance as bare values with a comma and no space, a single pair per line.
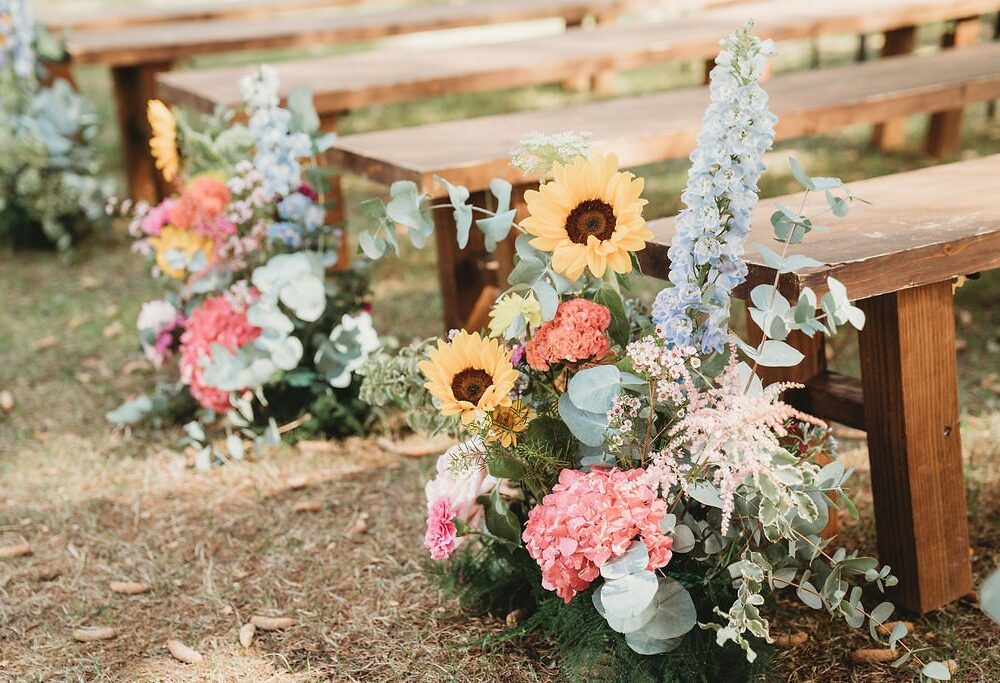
136,54
644,130
898,257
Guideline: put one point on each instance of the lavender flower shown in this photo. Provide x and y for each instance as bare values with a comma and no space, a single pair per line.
706,261
16,37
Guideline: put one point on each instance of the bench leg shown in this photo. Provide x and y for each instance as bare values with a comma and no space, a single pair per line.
603,82
134,87
910,381
944,133
892,134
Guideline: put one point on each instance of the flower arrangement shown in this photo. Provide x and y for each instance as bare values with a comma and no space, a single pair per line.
51,193
632,484
258,327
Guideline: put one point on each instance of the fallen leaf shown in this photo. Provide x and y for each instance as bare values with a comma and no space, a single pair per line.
48,574
89,634
418,448
183,653
129,587
76,321
961,344
239,574
872,656
271,623
965,317
89,282
791,639
111,311
297,483
247,632
308,446
886,628
113,330
952,665
19,550
6,401
46,343
42,436
513,618
83,377
135,365
308,506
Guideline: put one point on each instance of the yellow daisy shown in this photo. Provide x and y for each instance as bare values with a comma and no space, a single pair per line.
505,310
507,423
163,143
172,240
589,216
470,375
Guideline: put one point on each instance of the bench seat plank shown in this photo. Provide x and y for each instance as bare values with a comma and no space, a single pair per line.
652,128
345,82
922,227
174,41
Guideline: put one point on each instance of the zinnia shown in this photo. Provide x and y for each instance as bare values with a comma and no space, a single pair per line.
578,332
590,518
215,321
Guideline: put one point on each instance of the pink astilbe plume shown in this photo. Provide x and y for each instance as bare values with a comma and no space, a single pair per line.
727,435
590,518
215,321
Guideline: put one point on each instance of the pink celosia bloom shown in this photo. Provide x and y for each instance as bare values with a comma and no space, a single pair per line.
441,538
215,321
157,217
204,199
578,332
590,518
460,479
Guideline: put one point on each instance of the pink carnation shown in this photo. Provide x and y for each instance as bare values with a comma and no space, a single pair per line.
442,536
578,332
215,321
590,518
460,480
157,217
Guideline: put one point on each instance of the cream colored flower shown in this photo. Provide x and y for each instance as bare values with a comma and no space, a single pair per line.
508,308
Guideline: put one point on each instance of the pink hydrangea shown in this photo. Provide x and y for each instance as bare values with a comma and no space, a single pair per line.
590,518
578,332
215,321
157,217
459,481
441,538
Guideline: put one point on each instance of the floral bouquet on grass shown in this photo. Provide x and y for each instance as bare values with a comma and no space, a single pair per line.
51,193
630,487
253,321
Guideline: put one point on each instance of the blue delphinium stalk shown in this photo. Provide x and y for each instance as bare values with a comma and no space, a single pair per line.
278,148
706,261
16,34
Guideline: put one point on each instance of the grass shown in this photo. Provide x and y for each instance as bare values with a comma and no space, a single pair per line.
98,504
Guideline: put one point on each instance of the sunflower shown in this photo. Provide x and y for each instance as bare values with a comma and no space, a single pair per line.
507,423
173,242
470,375
163,143
588,215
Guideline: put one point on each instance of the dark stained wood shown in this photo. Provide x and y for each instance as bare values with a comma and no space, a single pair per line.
835,397
921,227
891,135
652,128
350,81
944,132
911,412
180,40
134,87
122,16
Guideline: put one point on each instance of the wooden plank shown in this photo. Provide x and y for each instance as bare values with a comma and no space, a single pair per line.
921,227
836,397
118,16
179,40
911,411
134,86
346,82
890,135
652,128
944,132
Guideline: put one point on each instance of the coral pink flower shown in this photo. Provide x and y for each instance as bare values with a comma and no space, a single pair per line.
204,199
578,332
215,321
442,536
590,518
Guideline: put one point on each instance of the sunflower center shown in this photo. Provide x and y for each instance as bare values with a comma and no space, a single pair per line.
470,384
592,217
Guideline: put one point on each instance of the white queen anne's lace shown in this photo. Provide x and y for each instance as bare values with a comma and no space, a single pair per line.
706,255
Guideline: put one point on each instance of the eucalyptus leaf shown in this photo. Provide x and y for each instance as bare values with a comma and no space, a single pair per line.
586,426
594,389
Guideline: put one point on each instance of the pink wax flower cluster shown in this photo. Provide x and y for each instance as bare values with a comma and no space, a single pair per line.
578,332
452,494
215,321
590,518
